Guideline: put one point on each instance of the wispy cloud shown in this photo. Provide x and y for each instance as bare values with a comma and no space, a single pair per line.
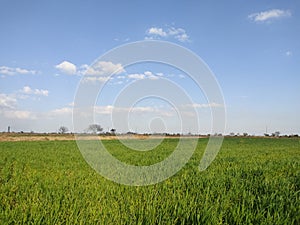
169,32
11,71
61,111
95,79
109,109
18,114
205,105
7,101
269,15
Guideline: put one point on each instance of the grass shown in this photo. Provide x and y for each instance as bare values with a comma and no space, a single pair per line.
252,181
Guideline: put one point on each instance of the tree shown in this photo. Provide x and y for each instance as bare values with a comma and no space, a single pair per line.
95,128
63,129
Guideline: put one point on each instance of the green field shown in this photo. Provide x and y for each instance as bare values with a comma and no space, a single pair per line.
252,181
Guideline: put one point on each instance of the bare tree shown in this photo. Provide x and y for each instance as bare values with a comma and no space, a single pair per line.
95,128
63,129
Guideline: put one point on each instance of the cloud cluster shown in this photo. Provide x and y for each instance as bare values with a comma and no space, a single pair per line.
99,71
10,71
29,91
157,31
170,32
145,75
269,15
9,102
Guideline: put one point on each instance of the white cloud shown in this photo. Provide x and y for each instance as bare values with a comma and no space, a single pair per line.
157,31
268,15
108,109
288,53
171,32
41,92
100,71
145,75
208,105
10,71
7,101
62,111
104,68
94,79
148,73
67,68
178,34
18,114
136,76
28,90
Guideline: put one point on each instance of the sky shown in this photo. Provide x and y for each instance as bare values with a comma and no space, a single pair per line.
252,48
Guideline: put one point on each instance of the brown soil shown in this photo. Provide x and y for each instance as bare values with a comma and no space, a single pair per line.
61,137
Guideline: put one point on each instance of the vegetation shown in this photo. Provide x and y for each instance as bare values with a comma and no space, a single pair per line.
63,130
252,181
94,128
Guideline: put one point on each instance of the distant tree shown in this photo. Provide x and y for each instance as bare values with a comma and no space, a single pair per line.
95,128
245,134
231,134
276,134
113,131
63,129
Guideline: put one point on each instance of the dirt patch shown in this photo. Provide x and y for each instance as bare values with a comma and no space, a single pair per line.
34,137
64,137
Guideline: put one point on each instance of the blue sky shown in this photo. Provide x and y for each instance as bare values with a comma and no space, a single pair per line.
252,47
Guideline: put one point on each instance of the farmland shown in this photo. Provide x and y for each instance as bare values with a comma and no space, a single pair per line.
252,181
